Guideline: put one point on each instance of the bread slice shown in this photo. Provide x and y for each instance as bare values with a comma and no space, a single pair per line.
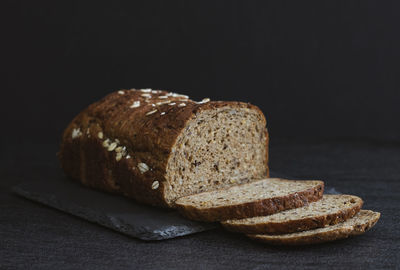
263,197
360,223
330,210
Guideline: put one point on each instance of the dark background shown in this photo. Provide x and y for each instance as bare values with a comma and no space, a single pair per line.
318,69
325,73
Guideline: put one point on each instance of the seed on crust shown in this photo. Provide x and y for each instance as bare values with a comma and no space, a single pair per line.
100,135
121,92
112,146
143,167
106,143
135,104
205,100
163,102
155,185
182,105
147,90
178,95
118,156
76,132
146,95
151,112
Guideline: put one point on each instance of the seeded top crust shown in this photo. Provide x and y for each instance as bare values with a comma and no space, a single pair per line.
359,224
266,196
331,209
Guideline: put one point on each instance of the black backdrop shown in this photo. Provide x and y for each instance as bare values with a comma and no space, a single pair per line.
318,69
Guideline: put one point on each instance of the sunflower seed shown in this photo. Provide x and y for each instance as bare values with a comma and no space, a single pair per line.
76,132
135,104
155,185
151,112
112,146
143,167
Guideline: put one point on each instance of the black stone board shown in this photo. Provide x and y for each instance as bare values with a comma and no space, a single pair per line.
112,211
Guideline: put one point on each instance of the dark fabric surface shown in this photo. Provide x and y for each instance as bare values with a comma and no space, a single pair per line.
37,237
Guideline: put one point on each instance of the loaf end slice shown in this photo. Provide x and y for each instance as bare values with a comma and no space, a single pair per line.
330,210
262,197
359,224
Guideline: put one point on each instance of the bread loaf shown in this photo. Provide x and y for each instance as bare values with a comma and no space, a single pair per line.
156,146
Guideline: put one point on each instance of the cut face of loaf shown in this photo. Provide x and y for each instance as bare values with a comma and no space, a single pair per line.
218,148
360,223
258,198
156,146
331,209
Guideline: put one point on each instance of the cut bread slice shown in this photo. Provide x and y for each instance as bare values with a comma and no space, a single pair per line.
360,223
262,197
330,210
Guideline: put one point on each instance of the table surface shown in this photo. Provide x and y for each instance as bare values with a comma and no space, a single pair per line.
33,236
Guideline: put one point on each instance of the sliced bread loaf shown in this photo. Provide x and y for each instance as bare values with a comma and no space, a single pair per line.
331,209
360,223
156,146
262,197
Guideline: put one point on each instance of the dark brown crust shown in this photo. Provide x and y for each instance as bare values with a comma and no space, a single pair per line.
147,138
256,208
298,225
341,233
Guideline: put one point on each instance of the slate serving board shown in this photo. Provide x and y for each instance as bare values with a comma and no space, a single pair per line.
112,211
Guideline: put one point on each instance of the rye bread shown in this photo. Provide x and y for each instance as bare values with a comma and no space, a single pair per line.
330,210
360,223
258,198
156,146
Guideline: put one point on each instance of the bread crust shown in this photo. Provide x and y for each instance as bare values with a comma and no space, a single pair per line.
147,139
321,237
297,225
262,207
